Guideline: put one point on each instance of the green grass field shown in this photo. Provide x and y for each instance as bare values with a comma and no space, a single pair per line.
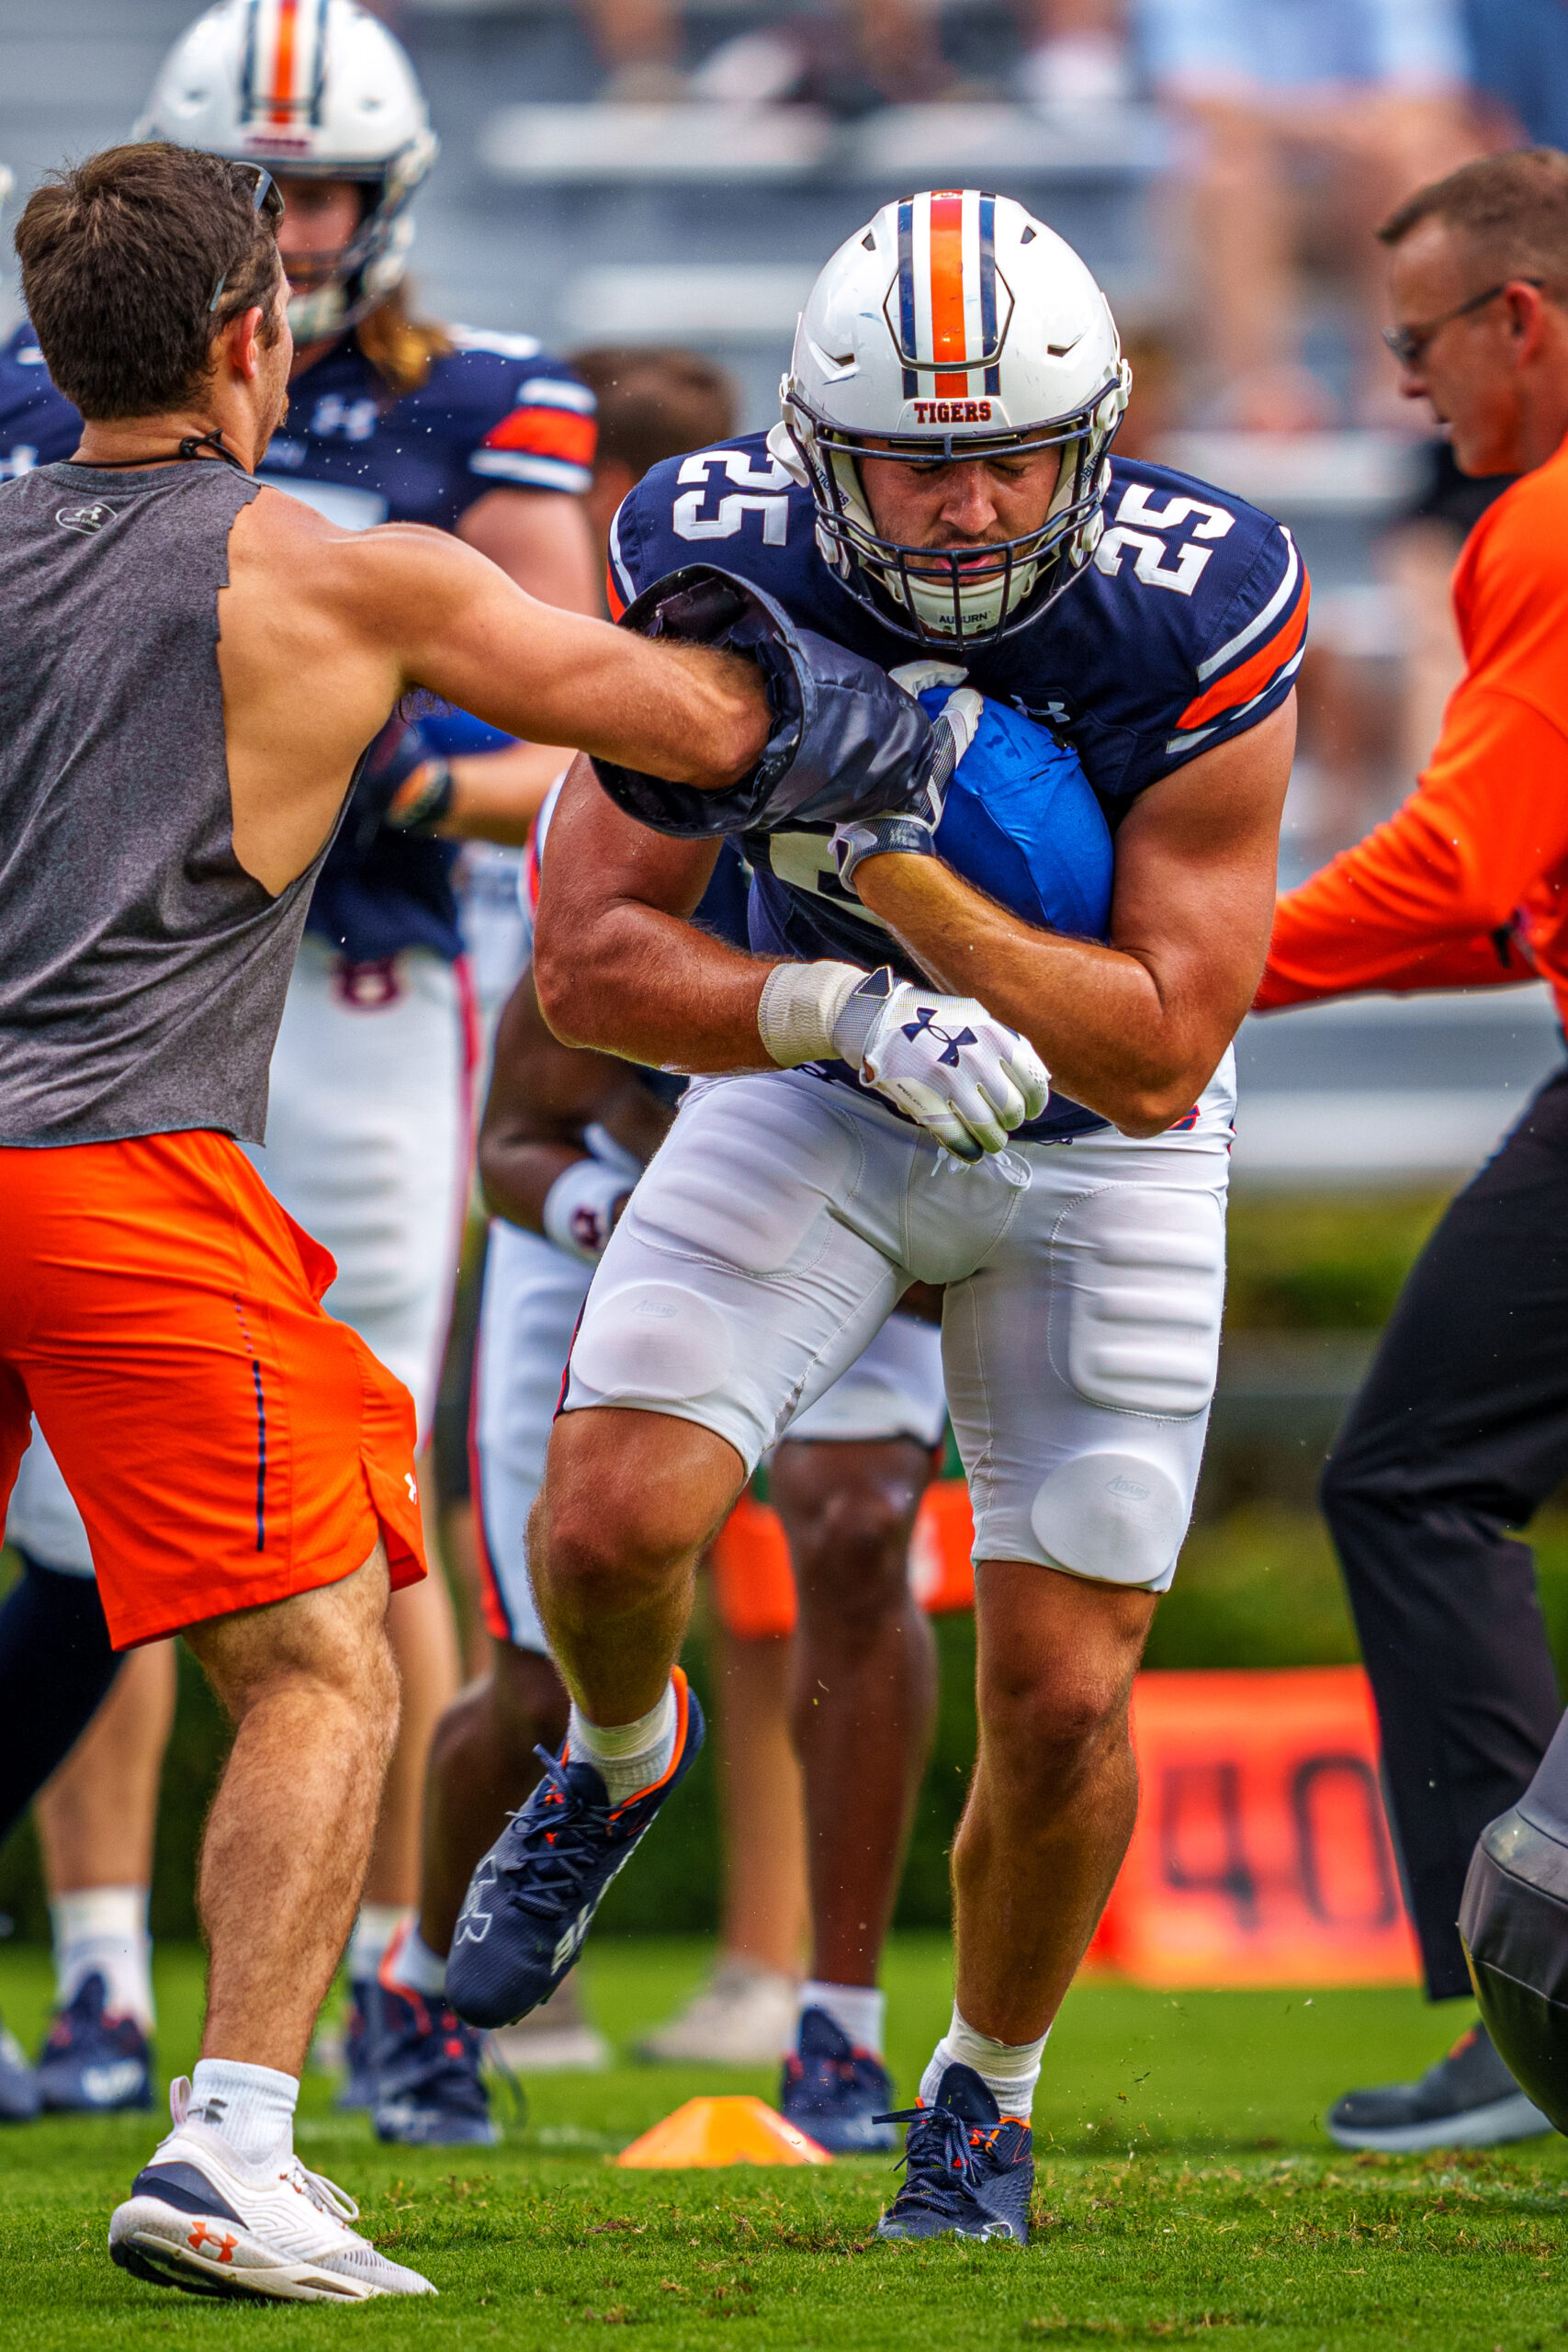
1185,2192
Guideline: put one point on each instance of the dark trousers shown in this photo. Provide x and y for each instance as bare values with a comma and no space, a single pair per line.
55,1667
1460,1433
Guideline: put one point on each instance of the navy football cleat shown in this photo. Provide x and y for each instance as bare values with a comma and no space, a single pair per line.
91,2063
968,2171
358,2091
834,2092
531,1899
19,2081
428,2090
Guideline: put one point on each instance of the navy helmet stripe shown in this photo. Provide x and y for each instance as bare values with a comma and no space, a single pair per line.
907,279
988,276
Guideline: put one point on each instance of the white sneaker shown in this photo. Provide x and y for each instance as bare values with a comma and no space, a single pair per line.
198,2217
743,2016
554,2038
554,2050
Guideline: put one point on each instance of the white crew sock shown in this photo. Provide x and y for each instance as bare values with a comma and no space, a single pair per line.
105,1928
626,1757
373,1930
1010,2070
856,2009
412,1966
251,2107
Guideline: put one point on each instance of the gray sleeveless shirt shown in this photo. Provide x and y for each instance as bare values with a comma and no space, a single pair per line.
142,970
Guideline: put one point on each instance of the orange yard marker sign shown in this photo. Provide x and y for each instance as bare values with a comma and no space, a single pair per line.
722,2131
1261,1855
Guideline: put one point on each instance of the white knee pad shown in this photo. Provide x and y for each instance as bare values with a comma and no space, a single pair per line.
652,1340
1135,1322
1117,1517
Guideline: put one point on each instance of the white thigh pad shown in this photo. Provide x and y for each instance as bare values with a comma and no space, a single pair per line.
747,1190
1116,1516
1137,1297
652,1339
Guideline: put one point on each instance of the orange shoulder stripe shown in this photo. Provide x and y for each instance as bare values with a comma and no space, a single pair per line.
1240,684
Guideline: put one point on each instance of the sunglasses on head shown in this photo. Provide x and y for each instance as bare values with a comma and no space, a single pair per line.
266,198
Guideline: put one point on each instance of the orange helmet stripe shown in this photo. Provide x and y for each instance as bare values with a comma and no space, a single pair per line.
283,59
949,336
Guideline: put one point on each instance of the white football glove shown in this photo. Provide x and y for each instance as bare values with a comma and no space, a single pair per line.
964,1077
912,830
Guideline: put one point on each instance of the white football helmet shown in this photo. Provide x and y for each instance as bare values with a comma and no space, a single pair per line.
953,325
314,89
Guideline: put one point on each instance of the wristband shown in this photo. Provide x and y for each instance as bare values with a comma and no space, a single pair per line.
580,1207
423,799
879,837
799,1005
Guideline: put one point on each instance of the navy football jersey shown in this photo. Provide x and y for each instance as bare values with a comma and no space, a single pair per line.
496,412
39,426
1185,629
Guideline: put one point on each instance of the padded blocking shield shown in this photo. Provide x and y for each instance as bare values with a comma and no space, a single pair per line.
845,742
1513,1922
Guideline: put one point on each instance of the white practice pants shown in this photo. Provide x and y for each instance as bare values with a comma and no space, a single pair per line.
766,1245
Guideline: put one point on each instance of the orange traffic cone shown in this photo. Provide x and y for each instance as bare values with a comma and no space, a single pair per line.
722,2131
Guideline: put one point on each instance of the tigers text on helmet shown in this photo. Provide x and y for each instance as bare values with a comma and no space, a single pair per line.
954,325
315,89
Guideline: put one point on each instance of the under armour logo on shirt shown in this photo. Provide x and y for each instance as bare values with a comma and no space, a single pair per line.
84,518
927,1021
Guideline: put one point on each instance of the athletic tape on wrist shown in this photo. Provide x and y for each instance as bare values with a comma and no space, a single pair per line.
580,1207
800,1003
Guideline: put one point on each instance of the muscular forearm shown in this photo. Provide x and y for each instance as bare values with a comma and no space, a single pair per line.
1112,1037
516,1176
652,988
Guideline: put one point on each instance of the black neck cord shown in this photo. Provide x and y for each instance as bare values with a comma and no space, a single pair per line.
191,447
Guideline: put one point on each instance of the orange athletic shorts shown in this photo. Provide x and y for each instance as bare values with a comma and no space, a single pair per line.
226,1440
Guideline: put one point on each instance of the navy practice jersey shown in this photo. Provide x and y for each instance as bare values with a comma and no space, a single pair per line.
494,414
1185,630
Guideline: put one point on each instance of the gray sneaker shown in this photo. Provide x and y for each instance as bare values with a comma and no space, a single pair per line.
1468,2100
19,2096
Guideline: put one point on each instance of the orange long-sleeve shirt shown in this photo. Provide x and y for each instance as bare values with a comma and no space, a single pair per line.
1466,885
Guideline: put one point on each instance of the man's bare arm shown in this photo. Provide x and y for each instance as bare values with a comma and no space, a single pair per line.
458,626
1137,1029
617,963
543,1096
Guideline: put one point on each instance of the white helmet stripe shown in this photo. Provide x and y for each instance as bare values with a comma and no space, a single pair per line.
285,62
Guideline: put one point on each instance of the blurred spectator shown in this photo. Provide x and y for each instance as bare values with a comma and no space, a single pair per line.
1308,119
1520,62
853,55
1416,557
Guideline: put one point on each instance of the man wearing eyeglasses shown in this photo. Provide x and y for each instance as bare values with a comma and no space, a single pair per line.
1460,1433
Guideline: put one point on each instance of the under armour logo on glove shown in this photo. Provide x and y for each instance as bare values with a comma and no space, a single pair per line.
965,1078
927,1021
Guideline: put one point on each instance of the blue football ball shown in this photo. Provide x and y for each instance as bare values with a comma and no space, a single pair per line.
1022,823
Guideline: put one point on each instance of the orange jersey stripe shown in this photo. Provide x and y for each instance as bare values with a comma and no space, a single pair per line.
613,595
283,64
547,433
948,338
1240,684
